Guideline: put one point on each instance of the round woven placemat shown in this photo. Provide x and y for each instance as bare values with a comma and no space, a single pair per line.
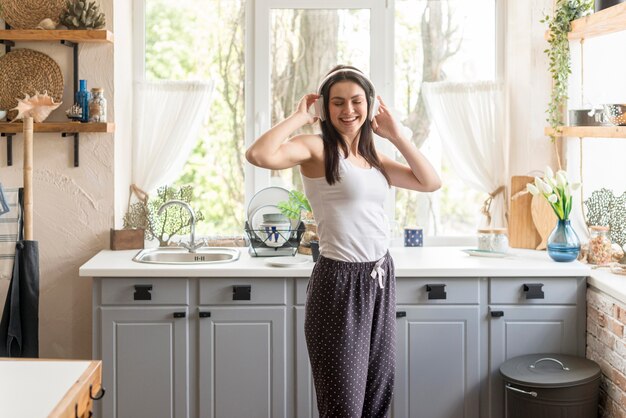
27,14
24,71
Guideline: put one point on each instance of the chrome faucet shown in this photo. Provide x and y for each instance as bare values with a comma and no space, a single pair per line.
192,246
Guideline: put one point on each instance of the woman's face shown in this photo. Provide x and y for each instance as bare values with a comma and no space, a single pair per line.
347,107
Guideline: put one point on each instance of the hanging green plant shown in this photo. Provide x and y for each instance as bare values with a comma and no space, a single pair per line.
559,25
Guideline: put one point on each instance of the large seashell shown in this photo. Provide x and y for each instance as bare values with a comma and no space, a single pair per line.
39,106
48,24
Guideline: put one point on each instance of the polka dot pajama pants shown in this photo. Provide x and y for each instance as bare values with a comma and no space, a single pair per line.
350,329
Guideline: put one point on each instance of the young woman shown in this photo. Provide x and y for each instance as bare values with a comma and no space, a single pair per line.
350,309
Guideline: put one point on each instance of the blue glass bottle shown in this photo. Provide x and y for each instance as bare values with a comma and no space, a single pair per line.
563,243
83,96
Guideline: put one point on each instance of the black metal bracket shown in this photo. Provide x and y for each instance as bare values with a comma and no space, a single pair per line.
436,291
74,47
400,314
142,292
76,136
242,292
533,290
9,148
7,45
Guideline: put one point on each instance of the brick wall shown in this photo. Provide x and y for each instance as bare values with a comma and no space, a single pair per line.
606,345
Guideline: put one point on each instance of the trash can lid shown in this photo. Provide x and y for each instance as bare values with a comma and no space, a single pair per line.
549,370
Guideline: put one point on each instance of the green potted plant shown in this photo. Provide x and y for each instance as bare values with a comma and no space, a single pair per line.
559,25
298,207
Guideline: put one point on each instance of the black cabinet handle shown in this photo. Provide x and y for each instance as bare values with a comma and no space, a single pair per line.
400,314
180,314
242,292
436,291
204,314
497,314
533,290
142,292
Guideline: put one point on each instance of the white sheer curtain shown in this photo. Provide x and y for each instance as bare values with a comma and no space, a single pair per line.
168,116
471,120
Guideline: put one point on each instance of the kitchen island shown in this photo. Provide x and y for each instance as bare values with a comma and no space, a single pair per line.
227,340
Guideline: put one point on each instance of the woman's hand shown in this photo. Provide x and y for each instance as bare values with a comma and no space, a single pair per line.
385,125
302,110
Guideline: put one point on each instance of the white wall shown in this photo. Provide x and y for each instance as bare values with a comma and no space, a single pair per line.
73,207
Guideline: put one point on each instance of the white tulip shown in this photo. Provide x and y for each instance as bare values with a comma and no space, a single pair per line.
547,189
549,172
561,178
532,189
549,177
552,198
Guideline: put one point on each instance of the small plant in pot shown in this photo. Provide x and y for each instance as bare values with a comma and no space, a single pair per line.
559,25
298,207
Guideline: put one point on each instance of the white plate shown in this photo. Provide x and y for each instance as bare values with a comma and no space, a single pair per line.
483,253
256,219
267,196
288,261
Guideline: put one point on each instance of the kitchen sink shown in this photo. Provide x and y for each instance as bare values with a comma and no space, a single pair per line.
179,255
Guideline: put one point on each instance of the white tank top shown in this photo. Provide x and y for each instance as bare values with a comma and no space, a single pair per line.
350,215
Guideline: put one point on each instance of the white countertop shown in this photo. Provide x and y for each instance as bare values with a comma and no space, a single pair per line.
409,262
34,388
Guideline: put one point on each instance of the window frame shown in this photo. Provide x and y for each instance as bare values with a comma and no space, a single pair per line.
257,66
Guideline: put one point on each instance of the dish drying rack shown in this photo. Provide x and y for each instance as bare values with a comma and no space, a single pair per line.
259,248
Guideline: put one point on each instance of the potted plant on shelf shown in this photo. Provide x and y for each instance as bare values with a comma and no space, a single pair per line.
559,25
298,207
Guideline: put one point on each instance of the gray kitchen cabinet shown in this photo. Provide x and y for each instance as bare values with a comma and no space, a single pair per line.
242,362
146,357
438,348
529,316
239,351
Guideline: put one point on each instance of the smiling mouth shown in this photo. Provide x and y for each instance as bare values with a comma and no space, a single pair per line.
349,120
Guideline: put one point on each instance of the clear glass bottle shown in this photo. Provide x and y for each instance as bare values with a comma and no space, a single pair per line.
599,245
98,106
83,96
493,239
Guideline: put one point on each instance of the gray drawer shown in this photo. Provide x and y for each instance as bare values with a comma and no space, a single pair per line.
137,291
515,290
226,291
457,290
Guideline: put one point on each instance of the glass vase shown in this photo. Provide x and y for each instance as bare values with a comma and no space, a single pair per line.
563,243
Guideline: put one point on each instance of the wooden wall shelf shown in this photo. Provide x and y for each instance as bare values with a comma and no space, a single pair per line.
61,127
610,20
79,36
589,131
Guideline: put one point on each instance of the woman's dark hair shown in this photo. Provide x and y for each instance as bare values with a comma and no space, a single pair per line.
331,138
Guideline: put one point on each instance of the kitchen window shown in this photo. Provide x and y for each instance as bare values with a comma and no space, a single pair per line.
264,55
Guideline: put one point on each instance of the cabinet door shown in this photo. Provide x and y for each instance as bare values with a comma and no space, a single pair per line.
437,363
145,357
306,402
519,330
242,362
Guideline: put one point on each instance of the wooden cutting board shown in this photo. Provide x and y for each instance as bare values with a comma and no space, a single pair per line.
544,219
522,231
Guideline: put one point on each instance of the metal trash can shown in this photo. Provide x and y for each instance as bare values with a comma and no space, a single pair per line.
550,385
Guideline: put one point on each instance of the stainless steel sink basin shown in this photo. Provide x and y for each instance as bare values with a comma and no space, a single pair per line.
178,255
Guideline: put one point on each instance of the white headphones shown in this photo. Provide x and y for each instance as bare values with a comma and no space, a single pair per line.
319,103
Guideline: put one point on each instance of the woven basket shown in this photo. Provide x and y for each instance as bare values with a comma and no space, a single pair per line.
27,14
24,71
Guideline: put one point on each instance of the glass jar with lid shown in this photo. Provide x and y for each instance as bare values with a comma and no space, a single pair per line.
493,239
97,106
599,245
